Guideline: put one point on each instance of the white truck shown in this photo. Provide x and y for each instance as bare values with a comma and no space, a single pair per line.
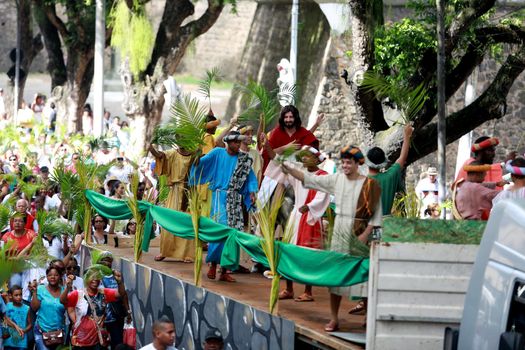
477,293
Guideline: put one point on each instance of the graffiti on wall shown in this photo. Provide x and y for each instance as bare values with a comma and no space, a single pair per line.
195,311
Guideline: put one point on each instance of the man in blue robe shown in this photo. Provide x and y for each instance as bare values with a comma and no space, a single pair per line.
233,183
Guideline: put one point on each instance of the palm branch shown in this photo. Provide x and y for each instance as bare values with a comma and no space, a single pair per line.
266,218
9,264
194,206
205,84
257,102
164,189
133,205
408,101
5,215
97,271
186,128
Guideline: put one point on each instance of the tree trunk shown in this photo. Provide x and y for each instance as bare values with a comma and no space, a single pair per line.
366,15
80,69
143,104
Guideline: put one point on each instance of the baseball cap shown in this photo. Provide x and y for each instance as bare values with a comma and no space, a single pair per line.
213,334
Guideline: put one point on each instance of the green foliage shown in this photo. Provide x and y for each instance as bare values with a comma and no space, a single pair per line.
132,34
408,101
205,84
407,206
186,127
9,264
257,102
399,47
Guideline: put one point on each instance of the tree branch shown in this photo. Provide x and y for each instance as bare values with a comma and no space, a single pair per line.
51,14
490,105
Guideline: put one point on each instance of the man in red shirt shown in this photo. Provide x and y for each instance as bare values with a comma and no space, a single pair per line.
289,132
22,207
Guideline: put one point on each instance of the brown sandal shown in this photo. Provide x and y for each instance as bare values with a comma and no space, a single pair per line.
159,258
226,278
359,309
304,298
212,272
284,294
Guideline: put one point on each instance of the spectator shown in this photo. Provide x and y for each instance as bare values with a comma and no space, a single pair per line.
19,314
213,340
46,302
22,207
86,309
23,239
117,312
163,335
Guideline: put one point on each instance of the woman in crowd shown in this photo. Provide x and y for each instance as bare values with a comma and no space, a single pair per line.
86,309
50,319
22,240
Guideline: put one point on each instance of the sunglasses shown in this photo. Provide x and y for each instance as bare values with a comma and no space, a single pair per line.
13,159
120,159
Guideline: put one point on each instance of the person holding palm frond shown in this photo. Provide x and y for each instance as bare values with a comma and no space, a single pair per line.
230,177
174,164
309,208
358,210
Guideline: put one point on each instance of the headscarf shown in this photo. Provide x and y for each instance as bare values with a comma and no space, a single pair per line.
490,142
513,169
103,255
321,157
353,152
234,136
244,129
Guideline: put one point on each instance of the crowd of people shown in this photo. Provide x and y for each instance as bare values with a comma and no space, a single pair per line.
237,172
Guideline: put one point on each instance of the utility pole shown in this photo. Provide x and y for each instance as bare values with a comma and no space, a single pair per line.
293,41
442,136
16,98
98,77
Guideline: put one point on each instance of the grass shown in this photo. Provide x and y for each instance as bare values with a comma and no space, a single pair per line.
191,80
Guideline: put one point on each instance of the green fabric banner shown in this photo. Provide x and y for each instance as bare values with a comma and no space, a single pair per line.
299,264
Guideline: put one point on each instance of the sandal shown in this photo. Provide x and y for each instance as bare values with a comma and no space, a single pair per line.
226,278
187,260
304,298
212,272
331,326
159,258
284,294
359,309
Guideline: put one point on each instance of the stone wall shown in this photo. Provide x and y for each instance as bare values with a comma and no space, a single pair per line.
196,310
269,41
223,44
341,127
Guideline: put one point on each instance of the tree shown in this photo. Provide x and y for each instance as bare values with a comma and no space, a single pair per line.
144,90
405,54
70,65
30,46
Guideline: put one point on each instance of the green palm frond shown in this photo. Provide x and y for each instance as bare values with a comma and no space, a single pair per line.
97,271
49,223
256,102
408,101
28,189
164,189
5,215
10,265
133,205
186,128
205,84
287,92
407,205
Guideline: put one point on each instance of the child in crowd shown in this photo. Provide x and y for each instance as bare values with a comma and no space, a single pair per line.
19,314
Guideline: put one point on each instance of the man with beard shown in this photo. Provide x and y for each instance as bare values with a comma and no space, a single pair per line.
232,182
288,132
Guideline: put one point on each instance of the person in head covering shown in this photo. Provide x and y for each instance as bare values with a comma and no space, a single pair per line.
309,208
211,127
233,184
472,198
175,164
357,209
257,161
391,180
516,169
484,151
213,340
427,189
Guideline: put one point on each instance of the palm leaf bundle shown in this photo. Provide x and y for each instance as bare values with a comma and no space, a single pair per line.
408,101
205,84
71,189
285,154
407,205
5,215
257,103
186,128
97,271
194,206
164,189
133,205
266,218
10,264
